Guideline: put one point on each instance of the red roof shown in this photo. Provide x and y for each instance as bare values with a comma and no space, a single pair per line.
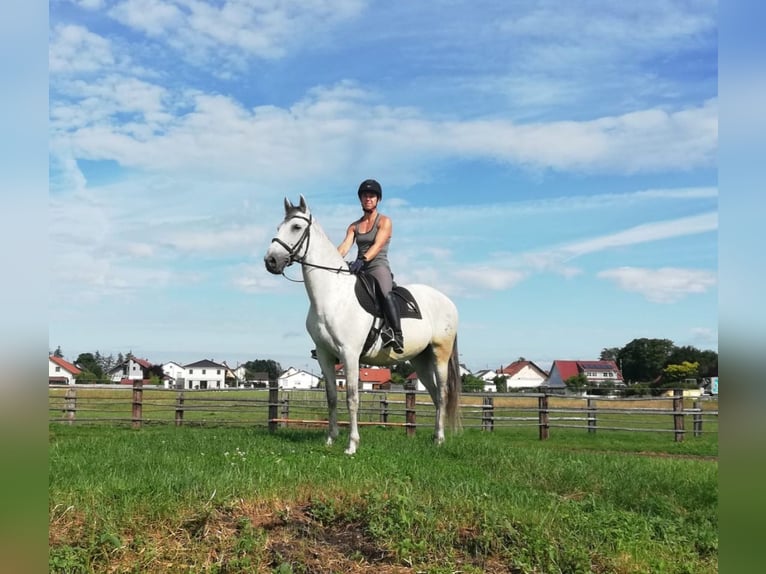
573,368
517,366
143,362
65,364
374,375
566,369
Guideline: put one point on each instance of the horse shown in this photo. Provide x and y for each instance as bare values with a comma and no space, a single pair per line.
339,325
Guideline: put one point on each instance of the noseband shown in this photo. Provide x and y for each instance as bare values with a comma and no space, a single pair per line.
293,251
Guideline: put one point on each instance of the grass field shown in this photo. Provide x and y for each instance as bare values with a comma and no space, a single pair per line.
238,499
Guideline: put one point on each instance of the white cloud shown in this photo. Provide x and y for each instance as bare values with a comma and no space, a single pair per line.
255,279
340,130
74,49
150,16
488,277
203,32
665,285
228,240
90,4
644,233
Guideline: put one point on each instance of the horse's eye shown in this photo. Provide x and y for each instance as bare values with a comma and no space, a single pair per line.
296,226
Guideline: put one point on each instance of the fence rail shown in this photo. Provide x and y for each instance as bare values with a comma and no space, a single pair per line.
277,408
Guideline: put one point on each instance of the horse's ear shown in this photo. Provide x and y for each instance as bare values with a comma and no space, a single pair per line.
288,205
303,205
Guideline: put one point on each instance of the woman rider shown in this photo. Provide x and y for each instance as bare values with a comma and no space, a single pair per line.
372,233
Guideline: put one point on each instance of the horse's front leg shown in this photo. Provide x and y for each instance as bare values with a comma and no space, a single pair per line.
327,364
352,401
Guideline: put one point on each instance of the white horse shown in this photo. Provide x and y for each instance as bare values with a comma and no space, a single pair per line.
339,325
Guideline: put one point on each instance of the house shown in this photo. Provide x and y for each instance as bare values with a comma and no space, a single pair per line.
61,372
257,379
370,378
523,374
240,374
374,379
598,374
488,377
205,374
294,378
131,369
173,375
413,380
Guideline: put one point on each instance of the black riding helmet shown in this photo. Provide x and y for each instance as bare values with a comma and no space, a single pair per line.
370,185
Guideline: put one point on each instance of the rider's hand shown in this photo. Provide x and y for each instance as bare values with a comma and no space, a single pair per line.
356,266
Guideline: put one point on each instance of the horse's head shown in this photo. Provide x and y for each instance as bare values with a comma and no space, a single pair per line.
291,242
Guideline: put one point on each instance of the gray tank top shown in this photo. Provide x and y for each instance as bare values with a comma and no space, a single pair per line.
365,240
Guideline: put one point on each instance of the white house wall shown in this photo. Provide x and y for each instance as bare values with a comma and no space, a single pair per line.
298,380
55,370
210,377
527,377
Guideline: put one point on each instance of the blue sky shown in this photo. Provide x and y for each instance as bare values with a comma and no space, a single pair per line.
550,165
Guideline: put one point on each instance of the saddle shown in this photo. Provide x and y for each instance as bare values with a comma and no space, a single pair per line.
368,294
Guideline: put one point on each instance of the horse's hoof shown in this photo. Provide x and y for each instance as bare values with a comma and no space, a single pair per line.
350,450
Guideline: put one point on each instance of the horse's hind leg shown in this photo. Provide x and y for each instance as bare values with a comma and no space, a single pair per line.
426,367
327,364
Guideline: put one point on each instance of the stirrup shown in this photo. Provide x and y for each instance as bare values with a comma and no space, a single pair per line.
392,339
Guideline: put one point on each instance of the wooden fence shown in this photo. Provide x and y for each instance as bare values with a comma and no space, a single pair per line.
275,408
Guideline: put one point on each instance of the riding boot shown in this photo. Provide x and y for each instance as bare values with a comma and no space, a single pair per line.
391,311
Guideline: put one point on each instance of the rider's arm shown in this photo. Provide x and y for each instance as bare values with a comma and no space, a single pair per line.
344,247
385,227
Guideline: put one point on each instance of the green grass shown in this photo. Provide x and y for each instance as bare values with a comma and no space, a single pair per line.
242,500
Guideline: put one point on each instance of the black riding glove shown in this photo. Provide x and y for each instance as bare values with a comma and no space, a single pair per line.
357,265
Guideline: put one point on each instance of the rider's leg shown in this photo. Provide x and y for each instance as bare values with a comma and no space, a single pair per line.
385,282
392,316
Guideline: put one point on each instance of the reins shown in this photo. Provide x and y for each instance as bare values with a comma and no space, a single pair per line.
293,251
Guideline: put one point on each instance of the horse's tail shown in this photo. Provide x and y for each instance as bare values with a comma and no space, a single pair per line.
454,385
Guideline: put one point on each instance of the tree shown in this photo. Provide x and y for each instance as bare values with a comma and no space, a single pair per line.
472,384
708,360
577,383
642,360
501,383
680,372
263,366
609,354
58,353
87,362
400,372
86,377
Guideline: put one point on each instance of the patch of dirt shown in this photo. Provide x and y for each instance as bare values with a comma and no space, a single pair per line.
247,537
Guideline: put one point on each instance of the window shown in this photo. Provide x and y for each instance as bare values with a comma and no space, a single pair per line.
218,372
204,371
58,369
191,371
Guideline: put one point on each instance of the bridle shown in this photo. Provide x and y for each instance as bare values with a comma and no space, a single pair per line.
292,252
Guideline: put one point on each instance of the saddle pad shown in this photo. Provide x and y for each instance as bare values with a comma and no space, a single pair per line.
405,302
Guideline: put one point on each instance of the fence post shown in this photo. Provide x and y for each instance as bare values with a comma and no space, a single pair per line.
384,409
678,416
179,408
591,415
273,404
285,410
488,414
697,417
409,410
71,404
138,396
542,416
